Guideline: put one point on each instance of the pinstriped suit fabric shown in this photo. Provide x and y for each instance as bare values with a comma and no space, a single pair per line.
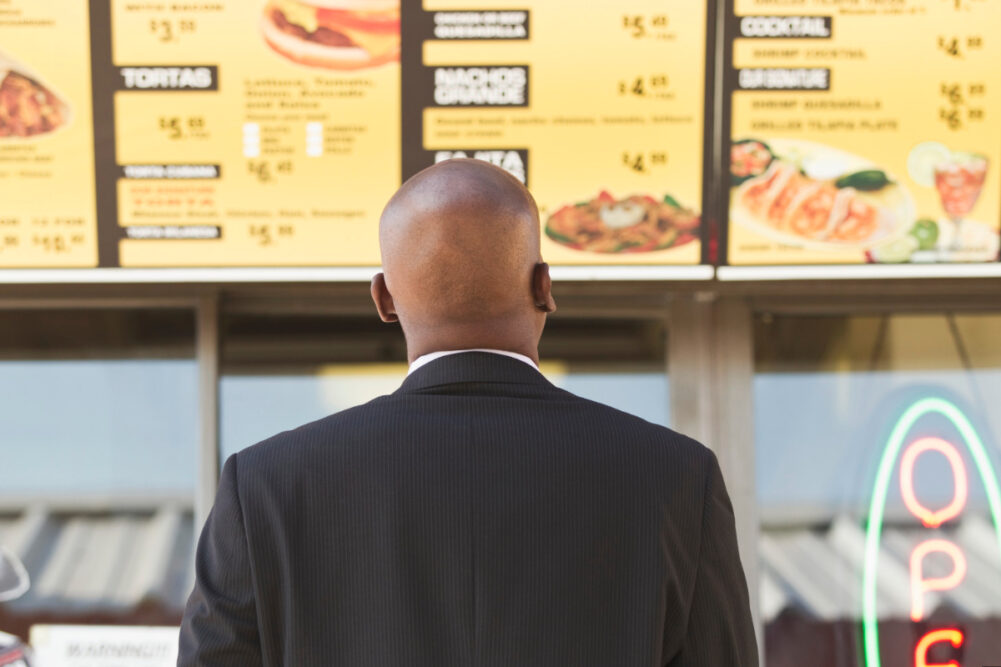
477,517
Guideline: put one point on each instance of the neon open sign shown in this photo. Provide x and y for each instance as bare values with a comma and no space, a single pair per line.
930,518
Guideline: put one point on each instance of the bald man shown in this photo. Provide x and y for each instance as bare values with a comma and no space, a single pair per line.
478,516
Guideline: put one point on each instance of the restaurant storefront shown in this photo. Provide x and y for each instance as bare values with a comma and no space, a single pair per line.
773,226
122,401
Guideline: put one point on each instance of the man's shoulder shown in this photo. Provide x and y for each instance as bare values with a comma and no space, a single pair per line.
673,442
318,432
582,418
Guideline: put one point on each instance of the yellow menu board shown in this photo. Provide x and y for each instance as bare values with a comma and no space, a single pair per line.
254,133
599,108
864,132
48,217
271,133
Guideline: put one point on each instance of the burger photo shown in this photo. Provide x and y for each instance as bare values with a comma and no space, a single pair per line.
335,34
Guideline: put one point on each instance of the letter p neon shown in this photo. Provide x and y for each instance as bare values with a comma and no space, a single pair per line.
920,585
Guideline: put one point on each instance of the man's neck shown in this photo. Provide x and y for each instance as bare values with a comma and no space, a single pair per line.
425,359
417,346
509,334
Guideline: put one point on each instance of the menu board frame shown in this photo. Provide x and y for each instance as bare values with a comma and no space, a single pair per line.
109,233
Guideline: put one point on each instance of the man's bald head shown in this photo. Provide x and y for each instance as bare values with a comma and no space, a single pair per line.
460,248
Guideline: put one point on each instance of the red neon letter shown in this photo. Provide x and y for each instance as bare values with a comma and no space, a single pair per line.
954,637
928,517
920,585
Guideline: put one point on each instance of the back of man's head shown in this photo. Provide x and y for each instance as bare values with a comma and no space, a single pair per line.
461,260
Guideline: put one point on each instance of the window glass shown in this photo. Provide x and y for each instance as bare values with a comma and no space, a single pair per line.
877,455
78,426
637,388
98,461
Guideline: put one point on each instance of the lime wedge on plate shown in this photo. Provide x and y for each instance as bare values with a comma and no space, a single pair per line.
922,160
896,252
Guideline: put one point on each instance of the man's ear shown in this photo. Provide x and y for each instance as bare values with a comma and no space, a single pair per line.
542,288
383,299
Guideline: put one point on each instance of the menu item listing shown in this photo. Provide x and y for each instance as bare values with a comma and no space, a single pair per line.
833,162
611,145
255,134
49,216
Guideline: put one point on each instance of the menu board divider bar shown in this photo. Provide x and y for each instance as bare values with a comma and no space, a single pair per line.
712,211
103,84
340,274
857,272
723,128
413,25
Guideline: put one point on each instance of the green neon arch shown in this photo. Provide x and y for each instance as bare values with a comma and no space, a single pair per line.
874,528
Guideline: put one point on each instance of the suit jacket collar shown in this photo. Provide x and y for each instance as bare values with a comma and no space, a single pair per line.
474,368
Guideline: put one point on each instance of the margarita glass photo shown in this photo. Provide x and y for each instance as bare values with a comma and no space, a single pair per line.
958,178
959,181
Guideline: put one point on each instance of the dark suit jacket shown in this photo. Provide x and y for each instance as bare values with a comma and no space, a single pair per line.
477,517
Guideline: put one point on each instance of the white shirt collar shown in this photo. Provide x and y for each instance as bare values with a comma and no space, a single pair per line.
425,359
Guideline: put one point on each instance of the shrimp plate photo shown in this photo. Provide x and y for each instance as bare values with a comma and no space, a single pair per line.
815,196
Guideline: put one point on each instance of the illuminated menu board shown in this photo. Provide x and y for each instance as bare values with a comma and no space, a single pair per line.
229,133
281,120
48,216
599,108
863,131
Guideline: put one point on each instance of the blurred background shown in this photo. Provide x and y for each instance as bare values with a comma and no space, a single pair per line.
768,228
115,415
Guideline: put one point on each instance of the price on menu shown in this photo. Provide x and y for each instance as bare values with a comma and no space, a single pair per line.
8,240
965,4
177,127
957,47
171,30
266,171
962,104
644,86
266,235
642,162
640,26
57,243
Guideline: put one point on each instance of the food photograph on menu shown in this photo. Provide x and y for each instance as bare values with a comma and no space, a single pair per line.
814,196
638,223
830,162
27,106
335,34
